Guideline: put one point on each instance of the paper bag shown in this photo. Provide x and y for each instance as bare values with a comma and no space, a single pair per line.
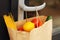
44,32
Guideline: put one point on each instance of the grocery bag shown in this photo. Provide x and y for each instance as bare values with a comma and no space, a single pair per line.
43,32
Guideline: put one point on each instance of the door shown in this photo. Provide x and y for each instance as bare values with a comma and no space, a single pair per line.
4,9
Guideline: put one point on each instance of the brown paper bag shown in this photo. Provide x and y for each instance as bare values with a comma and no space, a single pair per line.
42,33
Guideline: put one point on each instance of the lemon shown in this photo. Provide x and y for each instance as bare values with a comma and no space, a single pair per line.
28,26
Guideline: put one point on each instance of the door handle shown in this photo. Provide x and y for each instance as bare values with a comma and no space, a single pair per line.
27,8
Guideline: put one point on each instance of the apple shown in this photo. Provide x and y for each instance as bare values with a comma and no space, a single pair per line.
28,26
20,28
37,22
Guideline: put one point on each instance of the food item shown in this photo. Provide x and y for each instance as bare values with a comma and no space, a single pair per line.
28,26
37,22
48,18
9,22
20,28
